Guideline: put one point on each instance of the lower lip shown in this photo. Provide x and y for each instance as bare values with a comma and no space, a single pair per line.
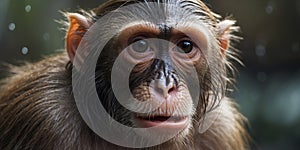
168,124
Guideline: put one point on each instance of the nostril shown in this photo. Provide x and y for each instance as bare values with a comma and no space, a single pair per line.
172,90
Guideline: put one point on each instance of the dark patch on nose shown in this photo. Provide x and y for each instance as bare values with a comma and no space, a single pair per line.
164,71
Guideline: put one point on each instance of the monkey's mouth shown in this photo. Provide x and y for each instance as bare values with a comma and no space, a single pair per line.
173,122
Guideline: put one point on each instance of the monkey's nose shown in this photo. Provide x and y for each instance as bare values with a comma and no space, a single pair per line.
164,88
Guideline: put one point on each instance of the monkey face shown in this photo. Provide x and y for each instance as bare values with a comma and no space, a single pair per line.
163,79
159,70
160,94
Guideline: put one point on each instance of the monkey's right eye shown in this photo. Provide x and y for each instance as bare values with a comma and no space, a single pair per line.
140,46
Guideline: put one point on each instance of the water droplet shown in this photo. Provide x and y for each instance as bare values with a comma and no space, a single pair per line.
46,36
24,50
12,26
269,9
260,50
27,8
261,76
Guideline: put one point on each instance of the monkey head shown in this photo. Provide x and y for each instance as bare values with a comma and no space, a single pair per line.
158,66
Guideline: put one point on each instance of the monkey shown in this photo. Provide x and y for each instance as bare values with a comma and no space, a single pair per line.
178,62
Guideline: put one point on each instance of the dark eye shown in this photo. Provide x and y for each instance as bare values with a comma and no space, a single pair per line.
185,46
140,46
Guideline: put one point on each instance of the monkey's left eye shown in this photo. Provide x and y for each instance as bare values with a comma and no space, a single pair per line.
140,46
185,46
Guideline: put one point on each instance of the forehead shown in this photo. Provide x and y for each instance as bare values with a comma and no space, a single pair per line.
164,12
161,11
161,17
163,31
116,4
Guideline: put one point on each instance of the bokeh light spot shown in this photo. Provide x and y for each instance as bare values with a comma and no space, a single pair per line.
12,26
24,50
260,50
27,8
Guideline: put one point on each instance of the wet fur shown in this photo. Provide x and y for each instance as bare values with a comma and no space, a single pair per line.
38,111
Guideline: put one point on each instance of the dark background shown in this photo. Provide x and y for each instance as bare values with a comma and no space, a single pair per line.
268,87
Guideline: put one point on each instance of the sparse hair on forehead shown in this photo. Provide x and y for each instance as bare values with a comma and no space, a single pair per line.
115,4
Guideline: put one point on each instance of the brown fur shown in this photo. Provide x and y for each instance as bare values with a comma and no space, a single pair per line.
38,111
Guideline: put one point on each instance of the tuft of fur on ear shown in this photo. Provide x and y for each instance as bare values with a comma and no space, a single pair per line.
227,38
224,29
90,15
78,26
75,26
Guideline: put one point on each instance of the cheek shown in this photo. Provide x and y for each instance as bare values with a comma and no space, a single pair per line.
185,99
142,92
186,64
141,67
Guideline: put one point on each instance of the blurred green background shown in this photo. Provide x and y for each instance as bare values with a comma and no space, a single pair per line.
268,87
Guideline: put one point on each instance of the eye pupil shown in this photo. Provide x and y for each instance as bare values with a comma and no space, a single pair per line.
140,46
185,46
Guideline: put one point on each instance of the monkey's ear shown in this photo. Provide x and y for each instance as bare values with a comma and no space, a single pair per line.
224,33
78,25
